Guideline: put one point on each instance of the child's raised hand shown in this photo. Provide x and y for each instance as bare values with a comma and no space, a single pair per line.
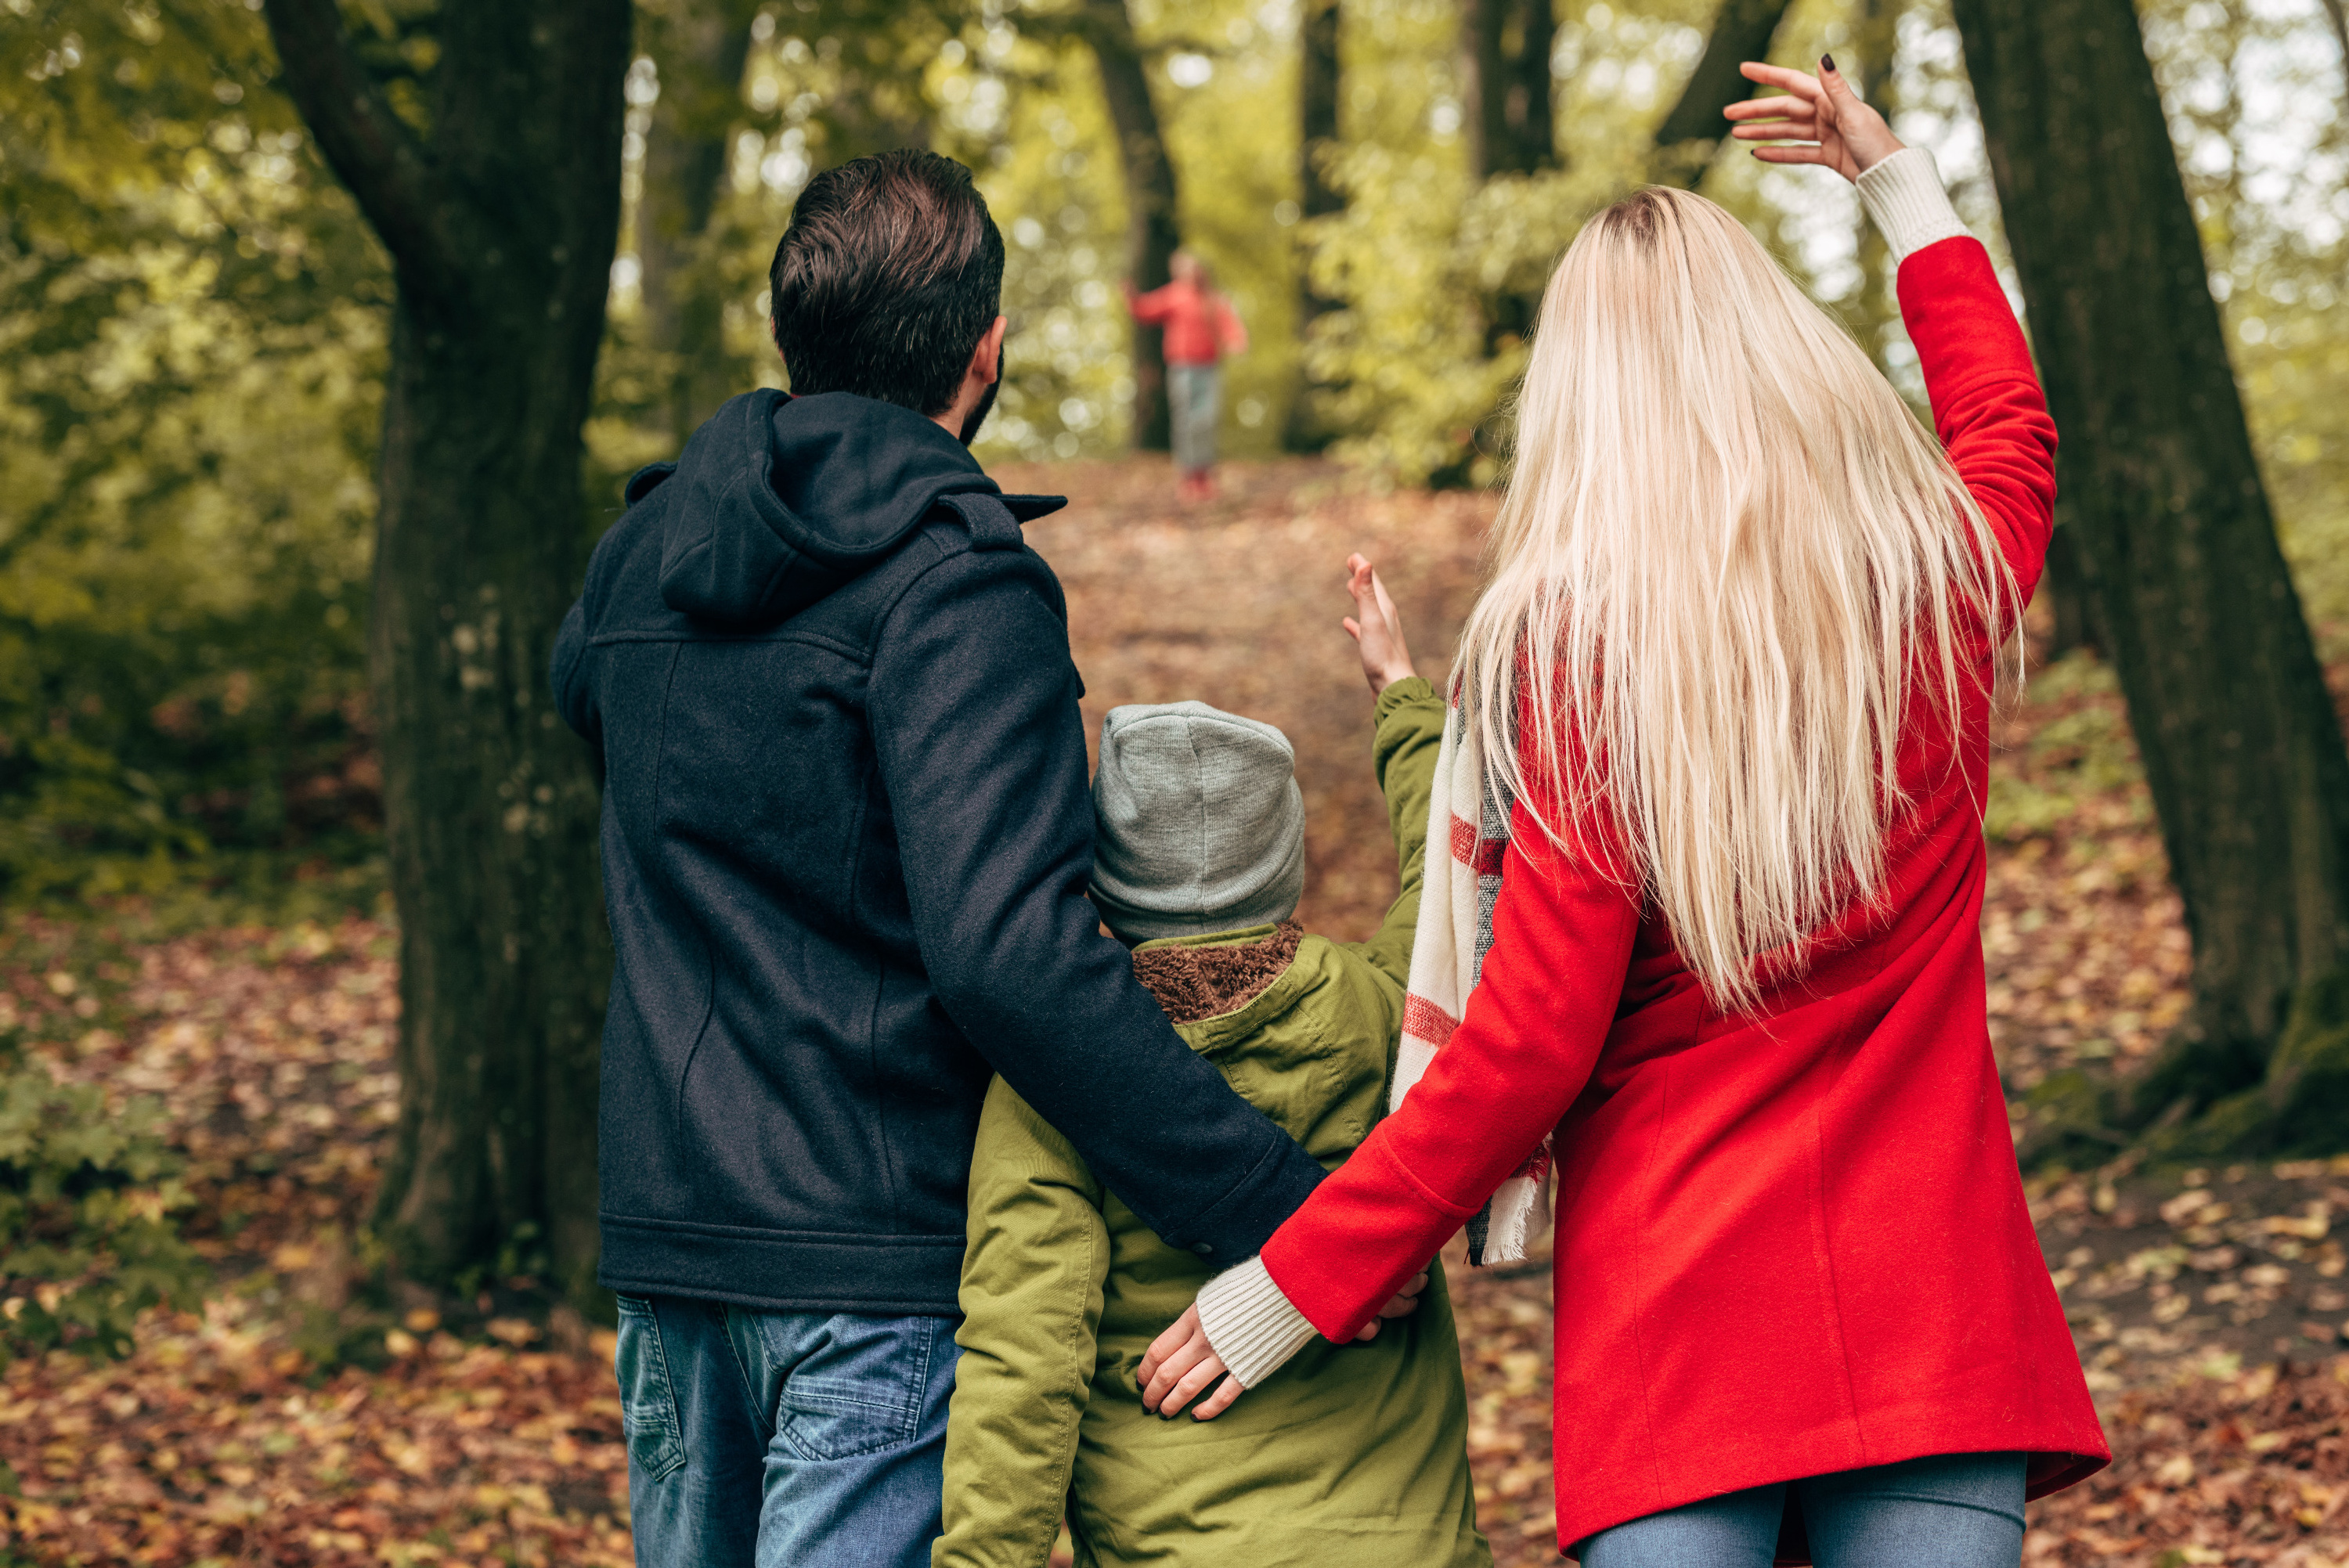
1376,628
1815,119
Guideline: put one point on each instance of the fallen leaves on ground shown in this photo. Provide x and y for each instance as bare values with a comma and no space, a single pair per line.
216,1443
292,1421
2253,1469
304,1418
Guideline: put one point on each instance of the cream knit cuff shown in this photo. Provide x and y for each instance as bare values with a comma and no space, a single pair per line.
1250,1324
1903,194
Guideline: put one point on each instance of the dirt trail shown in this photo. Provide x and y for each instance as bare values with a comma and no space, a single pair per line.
301,1419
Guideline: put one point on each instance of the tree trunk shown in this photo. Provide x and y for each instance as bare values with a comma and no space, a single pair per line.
1511,117
1529,104
1317,79
500,227
1693,131
2240,743
1151,236
700,52
2065,583
1871,65
2338,15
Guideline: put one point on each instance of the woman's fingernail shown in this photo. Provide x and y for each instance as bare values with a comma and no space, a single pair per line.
1826,62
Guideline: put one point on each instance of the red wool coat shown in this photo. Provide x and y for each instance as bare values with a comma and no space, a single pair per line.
1791,1242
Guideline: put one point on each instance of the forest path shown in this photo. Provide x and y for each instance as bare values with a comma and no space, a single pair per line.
302,1418
2174,1290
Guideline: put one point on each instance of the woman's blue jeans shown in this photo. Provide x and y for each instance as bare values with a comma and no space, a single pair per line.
1960,1510
758,1439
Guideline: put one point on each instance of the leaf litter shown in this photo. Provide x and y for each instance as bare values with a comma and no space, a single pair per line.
308,1414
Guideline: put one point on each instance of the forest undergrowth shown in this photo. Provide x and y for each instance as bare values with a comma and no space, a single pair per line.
308,1413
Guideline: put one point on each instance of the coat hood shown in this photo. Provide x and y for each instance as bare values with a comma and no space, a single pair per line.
778,500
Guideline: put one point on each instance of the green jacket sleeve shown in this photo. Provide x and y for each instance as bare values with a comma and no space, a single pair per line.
1032,1274
1411,718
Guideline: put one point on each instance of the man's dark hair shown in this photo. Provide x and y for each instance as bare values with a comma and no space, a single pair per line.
889,274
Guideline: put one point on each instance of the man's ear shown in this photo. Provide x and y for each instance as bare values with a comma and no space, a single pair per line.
987,360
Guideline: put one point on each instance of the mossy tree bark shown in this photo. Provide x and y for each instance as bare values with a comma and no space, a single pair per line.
1152,236
2240,742
500,217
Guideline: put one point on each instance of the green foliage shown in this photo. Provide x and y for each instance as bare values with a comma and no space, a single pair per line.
193,323
86,1242
1417,366
192,331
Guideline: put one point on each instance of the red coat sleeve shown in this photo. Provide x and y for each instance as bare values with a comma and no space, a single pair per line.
1988,409
1562,935
1154,308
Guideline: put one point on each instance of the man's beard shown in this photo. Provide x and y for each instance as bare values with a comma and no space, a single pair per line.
979,415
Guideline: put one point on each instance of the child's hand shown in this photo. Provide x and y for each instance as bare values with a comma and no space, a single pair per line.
1843,133
1375,627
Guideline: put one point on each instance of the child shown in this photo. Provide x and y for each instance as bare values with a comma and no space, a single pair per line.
1201,328
1361,1463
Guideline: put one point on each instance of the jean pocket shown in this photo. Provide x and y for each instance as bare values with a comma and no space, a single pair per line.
861,1389
647,1401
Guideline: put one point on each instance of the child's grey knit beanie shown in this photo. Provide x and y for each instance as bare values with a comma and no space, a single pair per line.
1199,826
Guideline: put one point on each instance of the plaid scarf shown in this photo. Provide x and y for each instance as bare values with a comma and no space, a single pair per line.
1447,955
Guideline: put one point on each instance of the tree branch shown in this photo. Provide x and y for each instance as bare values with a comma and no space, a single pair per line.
1741,32
368,146
2340,20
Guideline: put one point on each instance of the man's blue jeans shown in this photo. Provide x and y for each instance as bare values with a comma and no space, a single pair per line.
758,1439
1962,1511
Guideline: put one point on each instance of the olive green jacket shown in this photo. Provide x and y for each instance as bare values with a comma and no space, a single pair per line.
1356,1455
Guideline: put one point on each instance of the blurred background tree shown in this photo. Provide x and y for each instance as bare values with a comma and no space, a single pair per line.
199,321
191,352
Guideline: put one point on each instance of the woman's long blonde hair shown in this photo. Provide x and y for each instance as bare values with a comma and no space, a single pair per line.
1726,552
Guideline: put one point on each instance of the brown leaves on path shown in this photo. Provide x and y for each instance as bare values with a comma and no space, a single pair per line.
2248,1470
214,1444
223,1438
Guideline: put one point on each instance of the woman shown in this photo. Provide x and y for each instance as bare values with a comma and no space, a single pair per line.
1734,668
1201,328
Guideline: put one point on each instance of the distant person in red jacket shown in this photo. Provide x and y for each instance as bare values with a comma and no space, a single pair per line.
1717,847
1201,328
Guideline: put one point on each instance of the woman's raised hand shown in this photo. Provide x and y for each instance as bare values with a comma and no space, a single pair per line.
1376,628
1815,119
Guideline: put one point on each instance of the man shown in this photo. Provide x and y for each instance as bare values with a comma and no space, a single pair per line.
846,835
